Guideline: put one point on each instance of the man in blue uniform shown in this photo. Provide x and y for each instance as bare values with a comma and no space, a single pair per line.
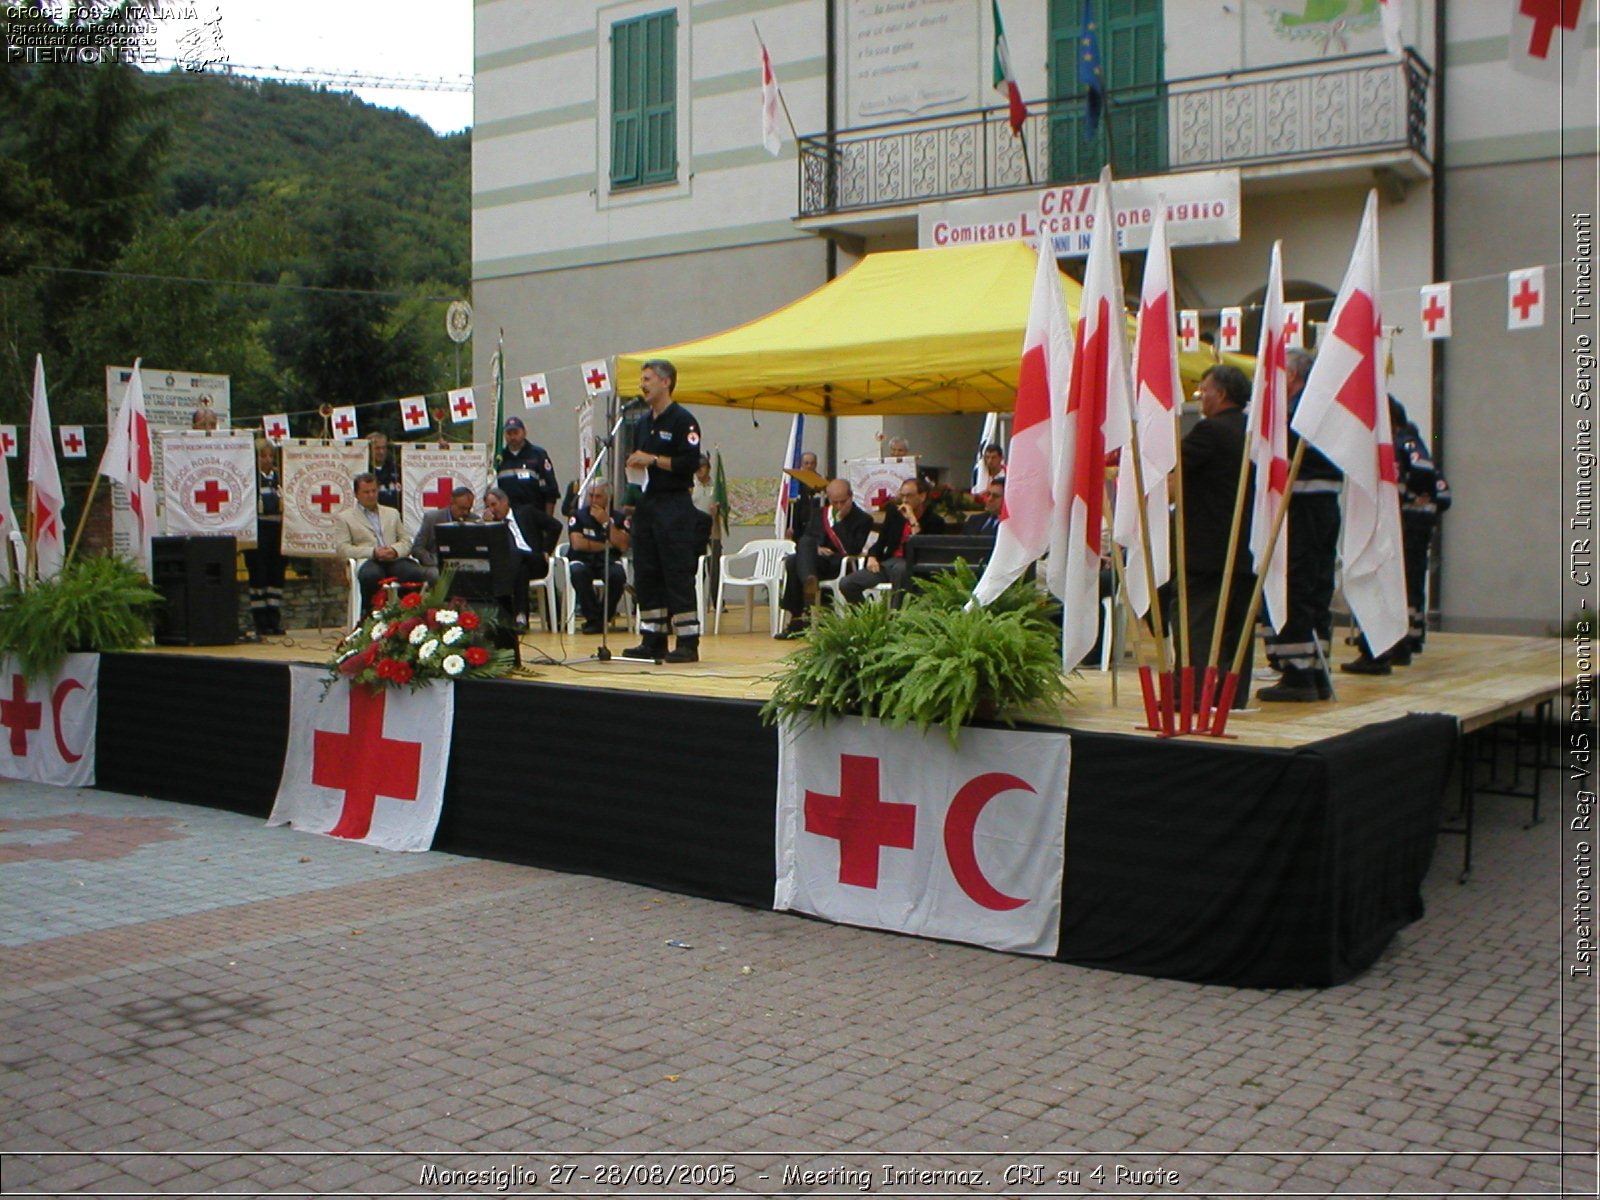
524,473
666,443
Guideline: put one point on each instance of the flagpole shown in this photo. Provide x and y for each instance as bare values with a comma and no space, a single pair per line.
1135,621
32,538
1158,626
778,87
83,519
1208,683
1181,635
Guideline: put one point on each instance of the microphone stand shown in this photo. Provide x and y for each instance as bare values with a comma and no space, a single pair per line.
609,461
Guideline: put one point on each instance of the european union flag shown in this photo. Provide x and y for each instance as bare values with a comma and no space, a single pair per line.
1090,73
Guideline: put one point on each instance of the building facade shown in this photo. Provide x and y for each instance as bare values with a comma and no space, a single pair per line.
622,197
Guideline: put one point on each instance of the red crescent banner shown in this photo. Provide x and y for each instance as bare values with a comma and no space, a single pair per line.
47,724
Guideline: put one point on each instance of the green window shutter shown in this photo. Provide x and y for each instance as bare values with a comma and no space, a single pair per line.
644,100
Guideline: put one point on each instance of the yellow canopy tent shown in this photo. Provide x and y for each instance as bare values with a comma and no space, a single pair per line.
904,331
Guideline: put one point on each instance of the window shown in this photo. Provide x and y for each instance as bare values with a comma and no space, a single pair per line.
644,100
1133,128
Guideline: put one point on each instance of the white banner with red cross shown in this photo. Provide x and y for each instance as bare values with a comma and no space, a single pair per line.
210,484
428,474
365,764
893,829
316,485
47,726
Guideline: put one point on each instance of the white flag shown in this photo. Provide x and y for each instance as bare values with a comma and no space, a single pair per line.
771,134
1267,443
366,764
1189,330
1231,329
535,391
1435,316
1389,15
463,405
130,460
49,547
1344,413
275,428
413,413
990,436
596,378
73,442
1525,298
345,426
1547,41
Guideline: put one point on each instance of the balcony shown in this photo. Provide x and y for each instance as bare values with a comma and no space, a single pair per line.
1368,110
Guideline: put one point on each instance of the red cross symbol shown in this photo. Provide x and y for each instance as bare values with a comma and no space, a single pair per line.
364,764
1525,299
415,414
881,497
1358,327
7,442
861,823
596,378
212,497
534,394
344,425
1434,313
1230,331
326,499
74,443
1291,326
1188,329
20,715
463,405
277,431
1546,15
440,496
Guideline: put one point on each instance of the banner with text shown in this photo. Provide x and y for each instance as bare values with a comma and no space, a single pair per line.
316,485
428,474
210,484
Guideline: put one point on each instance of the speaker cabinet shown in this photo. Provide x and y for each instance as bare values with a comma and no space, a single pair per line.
196,578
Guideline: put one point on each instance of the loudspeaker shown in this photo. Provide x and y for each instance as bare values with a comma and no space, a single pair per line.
196,578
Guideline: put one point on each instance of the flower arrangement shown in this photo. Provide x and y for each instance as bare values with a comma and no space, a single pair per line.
415,636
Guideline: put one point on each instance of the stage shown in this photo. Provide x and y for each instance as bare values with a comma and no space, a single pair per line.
1286,856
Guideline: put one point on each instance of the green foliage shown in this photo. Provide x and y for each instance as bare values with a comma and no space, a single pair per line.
934,661
96,604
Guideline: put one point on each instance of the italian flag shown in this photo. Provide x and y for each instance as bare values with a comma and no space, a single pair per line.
1005,78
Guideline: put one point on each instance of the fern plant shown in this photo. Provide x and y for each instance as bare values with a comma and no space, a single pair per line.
95,604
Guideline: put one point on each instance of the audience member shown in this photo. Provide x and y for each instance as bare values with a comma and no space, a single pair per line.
841,531
886,562
425,546
374,533
589,530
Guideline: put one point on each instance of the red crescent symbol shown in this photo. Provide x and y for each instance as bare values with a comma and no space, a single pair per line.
959,826
56,701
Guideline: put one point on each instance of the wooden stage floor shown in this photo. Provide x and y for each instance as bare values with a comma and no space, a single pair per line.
1476,678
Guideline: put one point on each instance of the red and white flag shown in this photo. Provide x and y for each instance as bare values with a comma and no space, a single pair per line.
1189,330
771,133
596,377
367,764
73,442
462,404
1547,40
129,460
1390,18
1294,324
1096,424
49,547
1525,298
1344,413
535,391
1435,310
788,486
1156,392
345,426
1005,75
1267,443
893,829
1029,513
275,428
413,413
47,726
1230,329
990,436
8,441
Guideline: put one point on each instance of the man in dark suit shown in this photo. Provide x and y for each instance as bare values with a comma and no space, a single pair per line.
425,546
839,532
529,544
987,523
1212,452
886,561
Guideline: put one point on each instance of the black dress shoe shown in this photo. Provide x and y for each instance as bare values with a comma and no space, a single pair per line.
796,631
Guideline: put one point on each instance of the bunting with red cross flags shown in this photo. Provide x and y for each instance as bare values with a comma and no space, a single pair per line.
893,829
1230,329
73,442
1525,298
1189,330
535,391
596,377
1435,311
413,413
8,441
344,424
47,723
275,428
462,405
365,764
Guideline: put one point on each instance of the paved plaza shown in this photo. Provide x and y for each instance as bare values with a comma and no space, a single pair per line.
196,1003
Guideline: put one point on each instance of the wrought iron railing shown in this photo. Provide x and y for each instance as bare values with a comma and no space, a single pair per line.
1358,104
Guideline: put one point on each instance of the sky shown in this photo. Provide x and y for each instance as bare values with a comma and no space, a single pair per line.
427,38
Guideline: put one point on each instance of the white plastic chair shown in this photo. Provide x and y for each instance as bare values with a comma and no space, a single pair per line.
766,571
702,584
550,602
851,563
354,614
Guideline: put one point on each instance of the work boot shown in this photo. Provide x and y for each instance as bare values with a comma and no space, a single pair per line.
1367,665
686,651
653,645
1297,686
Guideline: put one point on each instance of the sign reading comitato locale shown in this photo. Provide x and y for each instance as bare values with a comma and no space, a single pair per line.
1202,209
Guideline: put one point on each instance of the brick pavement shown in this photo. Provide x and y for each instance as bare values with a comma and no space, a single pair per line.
198,1003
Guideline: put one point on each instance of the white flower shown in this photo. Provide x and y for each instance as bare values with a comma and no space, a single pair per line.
419,635
379,630
428,651
453,635
446,616
454,664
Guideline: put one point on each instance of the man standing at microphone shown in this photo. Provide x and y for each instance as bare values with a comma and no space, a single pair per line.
666,444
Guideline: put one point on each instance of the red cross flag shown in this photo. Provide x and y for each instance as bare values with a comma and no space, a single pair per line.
893,829
1525,298
1294,325
771,133
343,421
1267,443
8,441
1435,314
1344,413
413,414
1230,329
596,378
365,764
49,547
1189,330
275,428
1096,424
129,460
47,726
462,405
535,391
1547,41
73,443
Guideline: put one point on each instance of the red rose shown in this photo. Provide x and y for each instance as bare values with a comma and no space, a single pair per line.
358,663
470,620
401,673
477,656
411,600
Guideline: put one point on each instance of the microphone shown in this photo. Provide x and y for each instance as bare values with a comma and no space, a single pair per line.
635,404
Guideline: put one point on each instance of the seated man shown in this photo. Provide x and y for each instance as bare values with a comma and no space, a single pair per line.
374,533
987,523
425,547
527,543
839,533
588,531
886,561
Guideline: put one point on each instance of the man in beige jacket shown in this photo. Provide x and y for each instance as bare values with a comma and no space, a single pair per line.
374,533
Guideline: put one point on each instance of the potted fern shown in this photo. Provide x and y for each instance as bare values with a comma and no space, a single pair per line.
95,604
